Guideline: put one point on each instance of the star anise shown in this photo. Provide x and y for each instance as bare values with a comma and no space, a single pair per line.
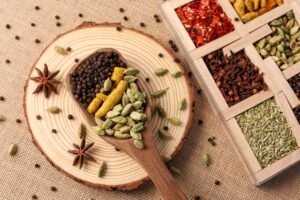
46,81
80,152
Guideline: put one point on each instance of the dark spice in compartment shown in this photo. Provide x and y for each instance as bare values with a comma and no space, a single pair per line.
89,77
236,76
295,84
267,132
205,21
297,113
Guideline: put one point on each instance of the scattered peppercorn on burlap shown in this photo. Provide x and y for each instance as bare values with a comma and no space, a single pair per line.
20,179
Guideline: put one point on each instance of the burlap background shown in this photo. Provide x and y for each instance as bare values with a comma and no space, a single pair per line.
19,179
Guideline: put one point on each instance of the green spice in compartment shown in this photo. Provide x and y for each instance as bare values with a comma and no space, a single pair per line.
267,132
284,42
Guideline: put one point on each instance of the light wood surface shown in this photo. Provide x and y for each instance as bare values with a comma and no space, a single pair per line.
292,71
140,51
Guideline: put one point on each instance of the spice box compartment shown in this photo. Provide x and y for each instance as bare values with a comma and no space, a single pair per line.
169,9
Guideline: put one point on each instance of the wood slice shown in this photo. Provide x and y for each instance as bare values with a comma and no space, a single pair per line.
140,51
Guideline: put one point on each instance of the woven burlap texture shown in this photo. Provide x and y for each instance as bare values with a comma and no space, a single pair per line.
18,176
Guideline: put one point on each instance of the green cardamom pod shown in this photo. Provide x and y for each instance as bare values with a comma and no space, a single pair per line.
159,93
112,114
125,129
99,131
102,169
12,150
174,170
164,134
175,121
127,109
290,23
107,124
140,97
53,110
136,136
138,116
118,108
139,144
107,85
205,160
118,126
130,78
2,118
137,105
182,104
120,135
134,87
119,120
130,95
125,100
294,30
276,22
60,50
130,122
138,127
81,131
109,131
99,122
176,74
160,111
131,71
160,71
276,39
261,44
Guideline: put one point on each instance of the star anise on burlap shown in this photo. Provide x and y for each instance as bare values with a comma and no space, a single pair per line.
80,152
46,81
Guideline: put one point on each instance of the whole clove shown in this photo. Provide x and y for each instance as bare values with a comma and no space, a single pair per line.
236,76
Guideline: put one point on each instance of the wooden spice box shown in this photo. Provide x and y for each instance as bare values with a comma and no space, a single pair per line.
243,38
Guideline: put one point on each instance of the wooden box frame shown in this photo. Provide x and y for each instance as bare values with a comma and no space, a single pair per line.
242,39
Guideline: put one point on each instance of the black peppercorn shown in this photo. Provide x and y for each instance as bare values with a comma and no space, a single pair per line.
69,49
7,26
213,143
37,165
236,19
36,7
2,98
147,79
17,37
34,196
119,28
176,60
117,149
54,131
155,16
38,117
200,122
7,61
18,121
57,17
76,60
32,24
125,18
199,91
58,24
121,10
142,24
170,41
37,41
160,55
80,15
197,198
70,117
157,20
166,128
190,73
217,182
54,189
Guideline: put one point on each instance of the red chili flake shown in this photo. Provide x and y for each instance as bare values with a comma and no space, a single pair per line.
204,20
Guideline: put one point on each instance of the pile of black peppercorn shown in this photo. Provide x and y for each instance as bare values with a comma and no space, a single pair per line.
89,76
297,113
295,84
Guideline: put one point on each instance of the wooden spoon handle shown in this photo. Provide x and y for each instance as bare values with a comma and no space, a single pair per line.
151,162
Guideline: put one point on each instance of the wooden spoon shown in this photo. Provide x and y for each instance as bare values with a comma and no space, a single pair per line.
148,158
151,161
